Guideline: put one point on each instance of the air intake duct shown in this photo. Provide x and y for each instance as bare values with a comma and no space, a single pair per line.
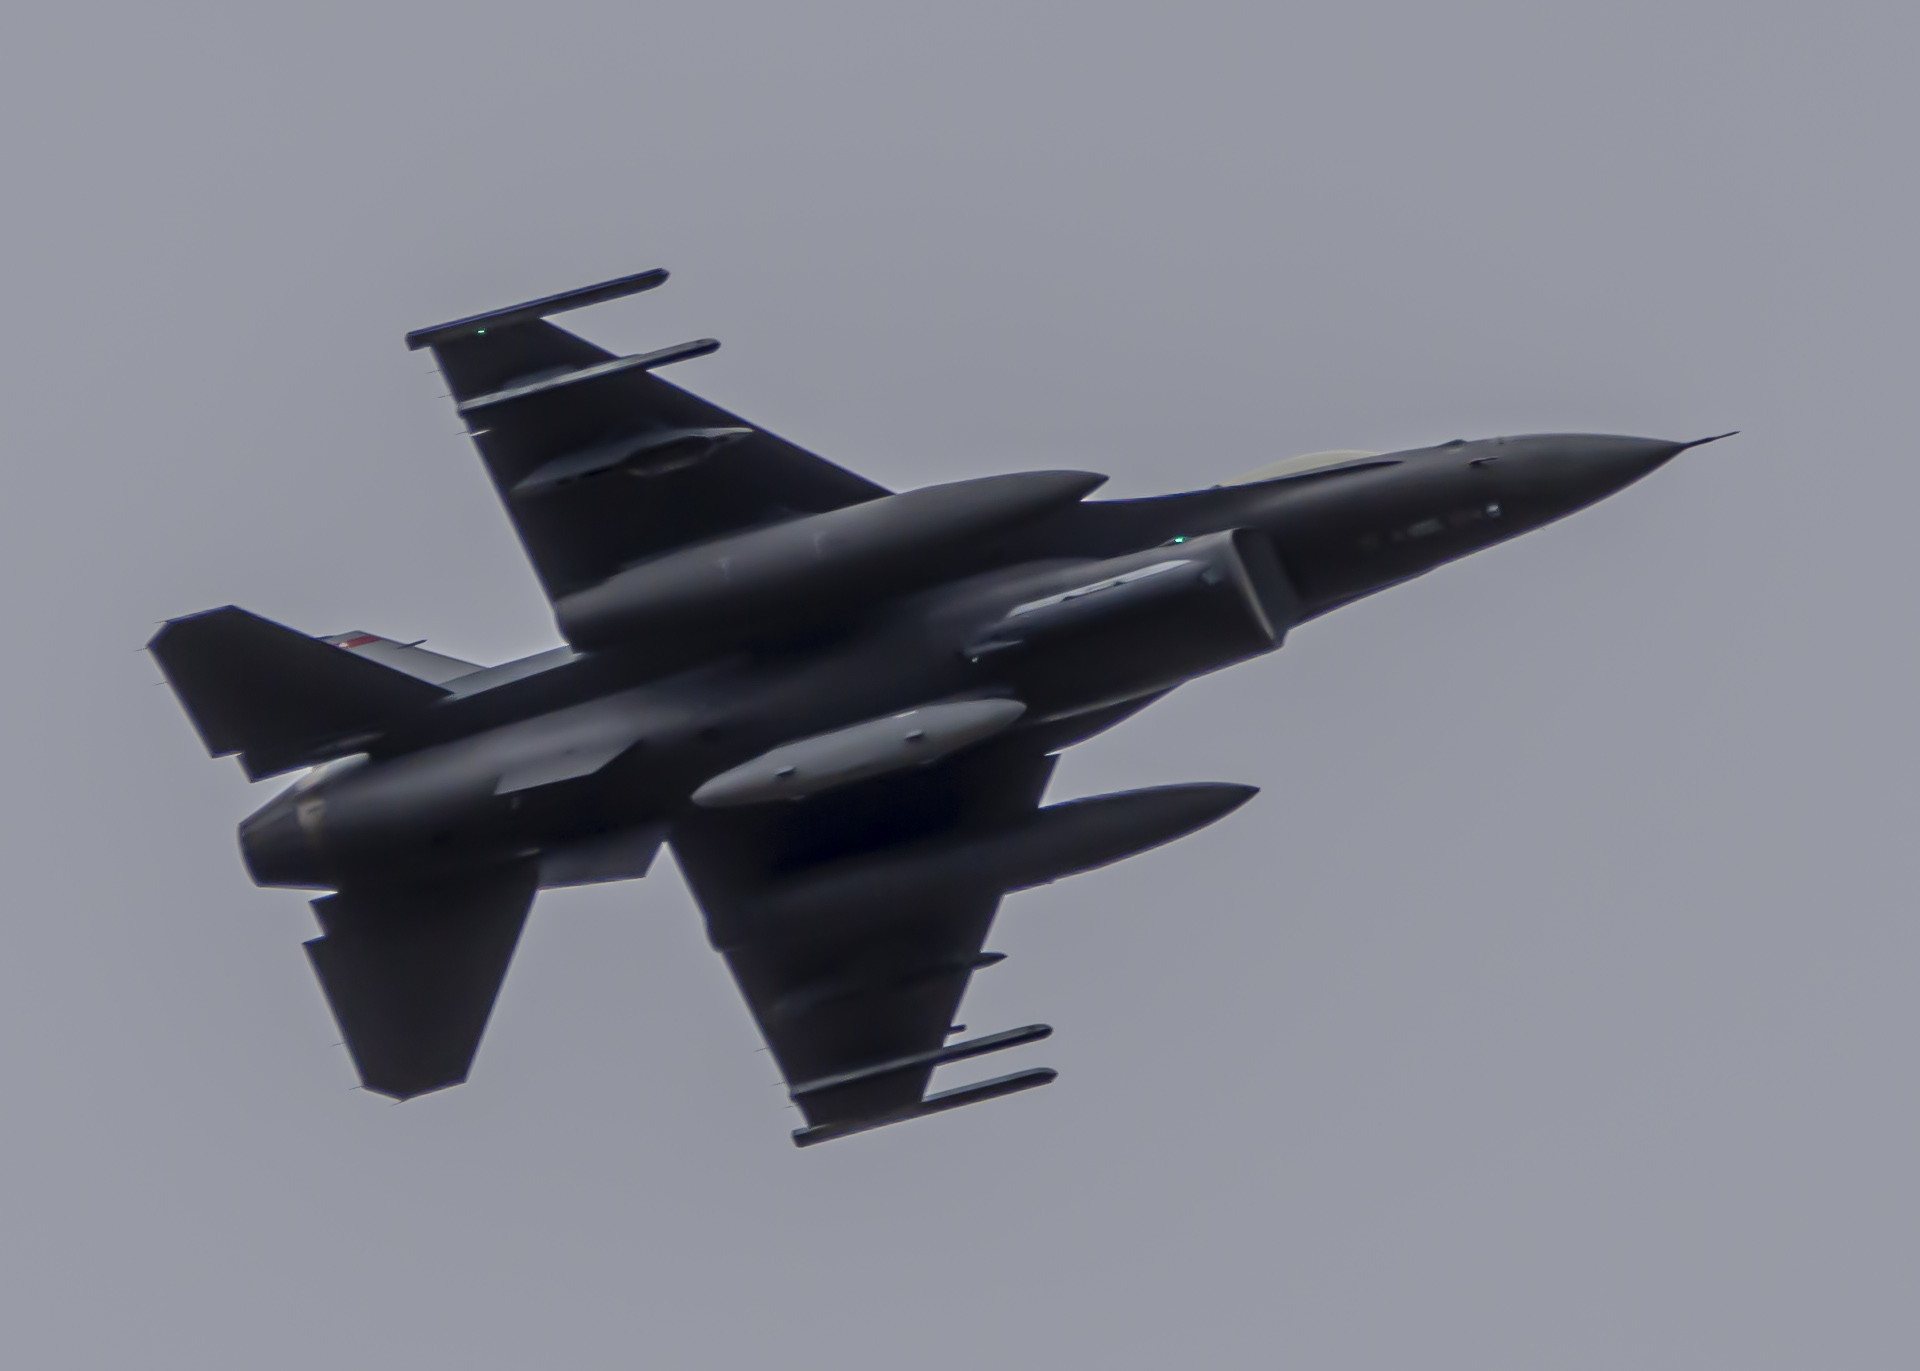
1096,633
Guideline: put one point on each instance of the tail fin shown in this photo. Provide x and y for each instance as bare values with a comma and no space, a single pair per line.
275,696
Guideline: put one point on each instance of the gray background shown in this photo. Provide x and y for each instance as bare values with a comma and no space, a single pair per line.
1553,1006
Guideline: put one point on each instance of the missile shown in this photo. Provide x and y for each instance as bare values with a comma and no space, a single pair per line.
933,1104
499,320
913,1061
914,737
1059,840
814,565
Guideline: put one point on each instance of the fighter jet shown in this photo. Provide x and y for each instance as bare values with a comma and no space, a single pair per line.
838,704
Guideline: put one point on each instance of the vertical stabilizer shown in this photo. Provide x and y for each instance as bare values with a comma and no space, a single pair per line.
276,697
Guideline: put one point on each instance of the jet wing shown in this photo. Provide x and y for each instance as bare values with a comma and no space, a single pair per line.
411,973
857,1008
602,464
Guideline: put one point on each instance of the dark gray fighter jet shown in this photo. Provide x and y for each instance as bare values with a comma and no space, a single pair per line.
840,705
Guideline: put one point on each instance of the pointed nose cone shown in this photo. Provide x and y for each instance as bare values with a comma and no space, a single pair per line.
1615,462
1569,471
1628,459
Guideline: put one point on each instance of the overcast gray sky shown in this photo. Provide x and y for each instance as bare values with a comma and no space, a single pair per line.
1554,1006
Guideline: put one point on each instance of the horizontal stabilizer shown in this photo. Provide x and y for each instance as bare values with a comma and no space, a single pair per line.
933,1104
412,974
476,324
275,696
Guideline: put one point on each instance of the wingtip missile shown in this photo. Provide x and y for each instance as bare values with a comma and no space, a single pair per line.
476,324
953,1052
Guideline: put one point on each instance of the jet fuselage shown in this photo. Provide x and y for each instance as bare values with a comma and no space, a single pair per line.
840,705
1082,615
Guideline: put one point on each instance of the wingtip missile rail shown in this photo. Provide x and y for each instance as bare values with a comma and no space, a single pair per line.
475,325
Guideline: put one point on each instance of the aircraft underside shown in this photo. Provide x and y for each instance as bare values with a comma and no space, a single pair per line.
841,706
